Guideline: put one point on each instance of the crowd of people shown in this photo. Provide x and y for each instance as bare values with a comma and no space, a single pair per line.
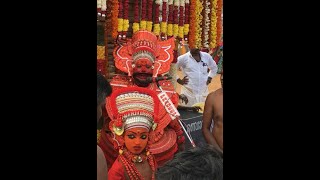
142,136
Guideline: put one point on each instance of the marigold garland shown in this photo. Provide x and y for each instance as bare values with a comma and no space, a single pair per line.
219,21
120,18
175,18
175,30
163,23
170,30
206,24
143,25
114,17
149,26
185,30
192,24
163,28
156,29
199,17
149,15
156,25
213,25
143,22
170,19
109,17
181,18
125,18
120,25
125,25
135,26
186,20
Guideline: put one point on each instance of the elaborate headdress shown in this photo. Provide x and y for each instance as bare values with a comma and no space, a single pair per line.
144,44
130,108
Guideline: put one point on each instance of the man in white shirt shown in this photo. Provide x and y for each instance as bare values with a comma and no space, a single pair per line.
195,66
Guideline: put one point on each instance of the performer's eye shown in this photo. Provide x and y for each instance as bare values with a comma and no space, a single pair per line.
131,136
143,137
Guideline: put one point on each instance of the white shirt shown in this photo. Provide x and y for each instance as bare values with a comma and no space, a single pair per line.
196,90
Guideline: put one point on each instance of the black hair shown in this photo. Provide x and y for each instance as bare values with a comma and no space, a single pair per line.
199,163
103,88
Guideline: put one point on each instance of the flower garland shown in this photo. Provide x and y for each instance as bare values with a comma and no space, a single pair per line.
213,25
175,18
103,5
149,18
203,21
114,18
99,2
164,19
135,26
120,19
181,18
206,24
192,21
170,19
219,21
186,20
125,18
143,22
109,18
209,15
156,25
199,17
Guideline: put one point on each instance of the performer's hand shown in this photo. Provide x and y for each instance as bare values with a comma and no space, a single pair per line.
209,80
183,98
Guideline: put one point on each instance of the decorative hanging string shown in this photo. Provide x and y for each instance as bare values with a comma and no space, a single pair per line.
135,26
170,19
156,25
181,19
164,19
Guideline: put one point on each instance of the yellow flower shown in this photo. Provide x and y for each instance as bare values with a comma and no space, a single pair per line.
175,30
98,135
186,29
135,27
199,17
181,31
143,25
100,52
164,27
213,31
120,24
170,30
125,25
156,29
149,26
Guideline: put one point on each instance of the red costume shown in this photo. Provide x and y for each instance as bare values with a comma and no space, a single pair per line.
134,114
144,50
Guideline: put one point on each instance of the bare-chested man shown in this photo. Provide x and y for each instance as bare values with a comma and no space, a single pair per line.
213,113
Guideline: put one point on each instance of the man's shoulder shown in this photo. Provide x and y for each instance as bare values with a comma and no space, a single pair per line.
205,54
183,56
217,92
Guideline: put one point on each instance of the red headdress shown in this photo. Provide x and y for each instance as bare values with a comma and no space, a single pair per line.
132,107
144,44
